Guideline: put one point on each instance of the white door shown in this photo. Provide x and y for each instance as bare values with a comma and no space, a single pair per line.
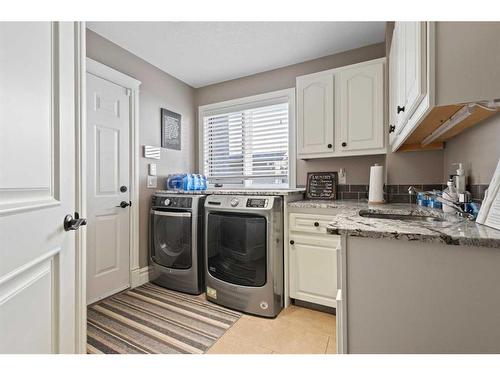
361,108
315,115
37,187
108,187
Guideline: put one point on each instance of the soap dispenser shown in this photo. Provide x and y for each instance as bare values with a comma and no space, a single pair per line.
460,179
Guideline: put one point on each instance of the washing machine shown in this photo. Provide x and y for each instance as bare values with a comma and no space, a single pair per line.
176,243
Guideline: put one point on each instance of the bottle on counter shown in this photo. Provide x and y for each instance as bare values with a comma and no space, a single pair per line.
174,182
187,182
204,183
450,195
460,179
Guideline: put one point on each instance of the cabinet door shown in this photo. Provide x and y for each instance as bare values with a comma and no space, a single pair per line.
415,66
399,81
313,270
393,88
410,71
361,108
315,120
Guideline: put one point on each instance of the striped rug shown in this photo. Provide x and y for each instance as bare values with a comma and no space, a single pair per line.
151,319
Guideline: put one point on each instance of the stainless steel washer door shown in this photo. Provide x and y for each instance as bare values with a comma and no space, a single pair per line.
171,240
237,248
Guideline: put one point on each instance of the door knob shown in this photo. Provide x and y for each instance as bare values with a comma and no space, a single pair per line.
73,224
344,144
316,224
292,242
123,189
124,204
330,145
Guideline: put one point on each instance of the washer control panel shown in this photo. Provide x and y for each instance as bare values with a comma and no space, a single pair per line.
240,202
174,202
257,202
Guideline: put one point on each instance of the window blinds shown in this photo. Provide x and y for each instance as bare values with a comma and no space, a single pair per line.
247,147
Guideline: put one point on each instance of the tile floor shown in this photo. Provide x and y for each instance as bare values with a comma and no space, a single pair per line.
296,330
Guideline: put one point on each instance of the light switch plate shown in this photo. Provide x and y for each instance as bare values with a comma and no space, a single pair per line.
152,182
152,169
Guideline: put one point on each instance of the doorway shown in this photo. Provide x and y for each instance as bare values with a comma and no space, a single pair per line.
111,186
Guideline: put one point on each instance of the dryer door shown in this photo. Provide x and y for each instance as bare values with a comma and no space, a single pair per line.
237,248
171,238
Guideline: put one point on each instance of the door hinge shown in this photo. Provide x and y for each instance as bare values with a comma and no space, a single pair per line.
128,92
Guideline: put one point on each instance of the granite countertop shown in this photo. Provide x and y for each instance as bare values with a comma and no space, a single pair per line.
452,231
239,191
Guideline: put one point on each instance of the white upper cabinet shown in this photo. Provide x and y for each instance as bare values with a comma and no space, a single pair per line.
315,115
393,88
341,111
428,84
360,108
407,72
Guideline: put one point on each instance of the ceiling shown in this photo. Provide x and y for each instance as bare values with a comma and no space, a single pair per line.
203,53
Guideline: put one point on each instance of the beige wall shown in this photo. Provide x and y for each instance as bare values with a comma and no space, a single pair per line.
158,90
478,148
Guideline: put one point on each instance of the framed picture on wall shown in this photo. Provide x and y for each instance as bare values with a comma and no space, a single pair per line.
170,129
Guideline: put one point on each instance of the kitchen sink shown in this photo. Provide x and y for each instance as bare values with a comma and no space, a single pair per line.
389,216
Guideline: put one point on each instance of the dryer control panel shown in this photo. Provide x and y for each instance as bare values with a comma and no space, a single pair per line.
257,202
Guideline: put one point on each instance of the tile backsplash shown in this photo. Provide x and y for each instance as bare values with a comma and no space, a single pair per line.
399,193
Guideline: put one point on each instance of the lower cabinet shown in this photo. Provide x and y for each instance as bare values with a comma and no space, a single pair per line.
313,260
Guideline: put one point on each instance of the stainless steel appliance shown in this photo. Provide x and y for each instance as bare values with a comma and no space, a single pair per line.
176,243
244,252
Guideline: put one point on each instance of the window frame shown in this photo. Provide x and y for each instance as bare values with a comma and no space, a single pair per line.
233,105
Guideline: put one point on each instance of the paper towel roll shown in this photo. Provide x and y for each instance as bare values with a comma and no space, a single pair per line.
376,192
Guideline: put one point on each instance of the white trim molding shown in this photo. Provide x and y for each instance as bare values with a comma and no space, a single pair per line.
251,101
141,276
112,75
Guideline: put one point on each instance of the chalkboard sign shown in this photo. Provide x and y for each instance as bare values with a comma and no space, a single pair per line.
322,185
170,129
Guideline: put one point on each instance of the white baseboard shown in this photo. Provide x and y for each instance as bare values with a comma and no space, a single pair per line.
140,276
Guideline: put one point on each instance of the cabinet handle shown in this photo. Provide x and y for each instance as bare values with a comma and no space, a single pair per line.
401,109
344,144
292,242
330,145
392,128
316,224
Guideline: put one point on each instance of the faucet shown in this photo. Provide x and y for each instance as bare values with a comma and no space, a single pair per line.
459,210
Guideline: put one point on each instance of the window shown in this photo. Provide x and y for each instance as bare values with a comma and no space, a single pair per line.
246,142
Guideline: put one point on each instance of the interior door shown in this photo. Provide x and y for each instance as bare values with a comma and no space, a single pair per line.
108,188
37,187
